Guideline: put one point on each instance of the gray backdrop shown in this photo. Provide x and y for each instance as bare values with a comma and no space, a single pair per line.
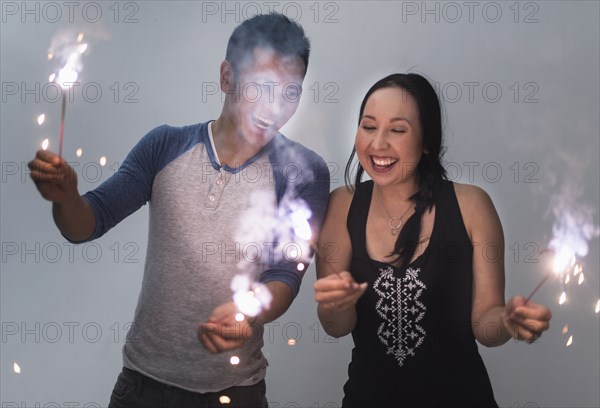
520,84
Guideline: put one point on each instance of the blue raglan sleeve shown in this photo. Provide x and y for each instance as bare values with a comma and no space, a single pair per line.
130,187
314,191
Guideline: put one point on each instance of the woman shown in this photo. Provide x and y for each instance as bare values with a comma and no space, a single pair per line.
400,264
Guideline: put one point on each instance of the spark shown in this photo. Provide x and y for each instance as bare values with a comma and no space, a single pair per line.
580,280
224,399
239,317
234,360
300,267
562,258
293,254
80,37
300,222
570,341
50,56
16,368
567,278
67,77
79,152
598,307
102,161
41,119
291,342
52,77
45,144
250,297
565,329
562,299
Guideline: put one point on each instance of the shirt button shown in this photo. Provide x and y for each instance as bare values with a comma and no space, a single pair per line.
219,181
211,198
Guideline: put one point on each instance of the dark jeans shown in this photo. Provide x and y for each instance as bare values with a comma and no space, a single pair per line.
135,390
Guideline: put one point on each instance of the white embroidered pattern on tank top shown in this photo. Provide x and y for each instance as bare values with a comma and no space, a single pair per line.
401,310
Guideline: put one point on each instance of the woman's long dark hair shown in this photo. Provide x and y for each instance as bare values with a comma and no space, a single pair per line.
430,170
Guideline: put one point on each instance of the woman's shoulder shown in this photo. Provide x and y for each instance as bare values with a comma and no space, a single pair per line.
471,195
341,197
475,204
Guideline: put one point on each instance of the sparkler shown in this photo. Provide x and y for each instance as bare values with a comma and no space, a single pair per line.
572,229
289,228
559,265
70,53
564,259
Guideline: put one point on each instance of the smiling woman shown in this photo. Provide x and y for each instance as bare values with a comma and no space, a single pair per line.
413,303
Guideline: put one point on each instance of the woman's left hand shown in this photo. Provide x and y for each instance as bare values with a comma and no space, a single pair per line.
526,320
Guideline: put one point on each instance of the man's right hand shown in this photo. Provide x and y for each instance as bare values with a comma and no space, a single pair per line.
53,177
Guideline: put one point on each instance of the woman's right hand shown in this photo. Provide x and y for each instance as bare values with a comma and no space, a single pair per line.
338,291
53,177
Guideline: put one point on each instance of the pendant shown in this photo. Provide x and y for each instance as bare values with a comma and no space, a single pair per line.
394,229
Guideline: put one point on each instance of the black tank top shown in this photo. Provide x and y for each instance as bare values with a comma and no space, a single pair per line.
414,345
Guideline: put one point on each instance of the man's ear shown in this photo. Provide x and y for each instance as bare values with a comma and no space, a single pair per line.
226,77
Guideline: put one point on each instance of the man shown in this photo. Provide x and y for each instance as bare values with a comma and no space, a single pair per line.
198,183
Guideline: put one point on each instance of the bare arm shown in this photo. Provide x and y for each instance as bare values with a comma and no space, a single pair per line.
57,182
493,321
282,299
335,290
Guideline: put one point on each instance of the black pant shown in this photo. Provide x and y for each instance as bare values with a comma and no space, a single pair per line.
135,390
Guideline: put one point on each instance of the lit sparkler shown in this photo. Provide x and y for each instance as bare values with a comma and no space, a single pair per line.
572,230
564,259
289,228
70,53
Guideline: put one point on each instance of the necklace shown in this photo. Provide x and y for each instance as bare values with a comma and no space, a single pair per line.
394,223
395,229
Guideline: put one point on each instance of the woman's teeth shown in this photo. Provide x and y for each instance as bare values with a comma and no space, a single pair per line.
383,162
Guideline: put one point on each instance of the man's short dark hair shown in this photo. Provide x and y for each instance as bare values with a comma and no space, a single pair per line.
274,31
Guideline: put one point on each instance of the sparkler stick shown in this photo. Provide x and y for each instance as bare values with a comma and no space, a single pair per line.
62,123
542,281
537,288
